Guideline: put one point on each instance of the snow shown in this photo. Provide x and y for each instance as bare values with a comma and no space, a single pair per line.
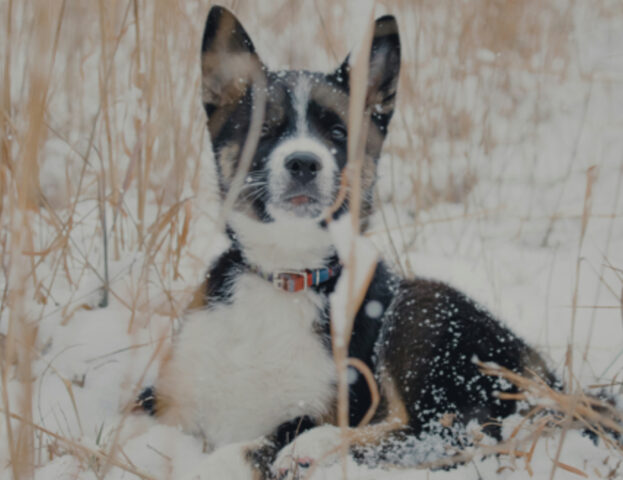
486,194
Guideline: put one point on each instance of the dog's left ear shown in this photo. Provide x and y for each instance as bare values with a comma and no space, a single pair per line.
383,72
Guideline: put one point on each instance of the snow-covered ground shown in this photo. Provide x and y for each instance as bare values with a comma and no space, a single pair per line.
507,111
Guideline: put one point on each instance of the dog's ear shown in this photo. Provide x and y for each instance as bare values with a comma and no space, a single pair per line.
229,63
384,69
384,66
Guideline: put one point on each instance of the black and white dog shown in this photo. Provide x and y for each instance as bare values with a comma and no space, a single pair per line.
251,367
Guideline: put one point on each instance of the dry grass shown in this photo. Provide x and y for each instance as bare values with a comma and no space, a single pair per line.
104,156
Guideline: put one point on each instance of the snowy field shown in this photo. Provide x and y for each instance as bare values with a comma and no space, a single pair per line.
502,174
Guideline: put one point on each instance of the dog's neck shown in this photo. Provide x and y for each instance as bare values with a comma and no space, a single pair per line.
293,244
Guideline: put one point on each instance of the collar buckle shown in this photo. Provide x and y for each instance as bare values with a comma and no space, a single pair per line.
291,281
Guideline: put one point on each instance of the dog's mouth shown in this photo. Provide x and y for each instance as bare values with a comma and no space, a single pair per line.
302,204
298,200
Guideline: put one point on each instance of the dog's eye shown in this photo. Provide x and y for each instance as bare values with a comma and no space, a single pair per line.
338,132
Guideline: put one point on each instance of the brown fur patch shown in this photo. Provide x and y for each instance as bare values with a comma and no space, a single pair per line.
223,87
174,408
227,75
396,409
199,299
331,98
533,364
229,66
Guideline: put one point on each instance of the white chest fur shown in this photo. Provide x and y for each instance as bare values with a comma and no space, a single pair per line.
252,364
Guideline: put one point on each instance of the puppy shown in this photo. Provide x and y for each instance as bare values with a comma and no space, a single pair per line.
251,368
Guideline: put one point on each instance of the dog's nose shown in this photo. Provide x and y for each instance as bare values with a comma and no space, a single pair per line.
303,166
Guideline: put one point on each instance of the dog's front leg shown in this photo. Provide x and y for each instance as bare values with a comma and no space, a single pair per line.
319,444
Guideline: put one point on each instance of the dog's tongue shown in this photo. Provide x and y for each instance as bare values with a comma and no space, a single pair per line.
300,199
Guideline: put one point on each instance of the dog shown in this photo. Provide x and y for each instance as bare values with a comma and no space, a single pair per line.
251,370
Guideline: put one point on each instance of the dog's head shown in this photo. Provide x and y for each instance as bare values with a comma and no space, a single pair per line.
301,151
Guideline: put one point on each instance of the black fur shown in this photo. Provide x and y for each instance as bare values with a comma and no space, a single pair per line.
364,339
147,401
428,339
431,340
221,276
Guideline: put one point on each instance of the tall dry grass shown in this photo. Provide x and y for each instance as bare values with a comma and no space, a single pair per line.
104,155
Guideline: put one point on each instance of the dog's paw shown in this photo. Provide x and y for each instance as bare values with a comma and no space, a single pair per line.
229,462
319,445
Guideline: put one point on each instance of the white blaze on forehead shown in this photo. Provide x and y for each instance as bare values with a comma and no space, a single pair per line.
301,99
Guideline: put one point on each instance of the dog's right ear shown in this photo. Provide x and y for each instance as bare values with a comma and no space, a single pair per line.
229,63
